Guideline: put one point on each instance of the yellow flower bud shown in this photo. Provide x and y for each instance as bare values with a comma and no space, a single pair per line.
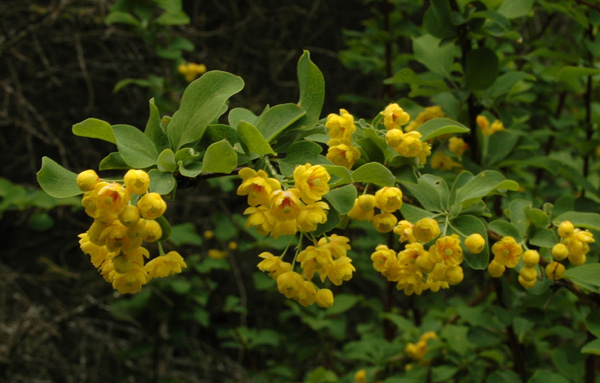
454,275
555,270
384,222
565,229
389,199
232,245
426,229
138,230
324,298
528,273
560,252
527,284
577,259
531,258
366,202
496,269
217,254
129,216
151,206
121,264
393,137
290,283
208,234
153,231
475,243
87,180
137,181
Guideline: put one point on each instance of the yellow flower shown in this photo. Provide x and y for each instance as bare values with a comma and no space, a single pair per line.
496,127
114,236
98,254
87,180
394,137
475,243
314,259
338,245
285,205
483,123
287,227
410,145
151,206
417,351
257,186
426,229
457,146
152,231
383,258
447,250
384,222
405,230
360,376
359,214
132,281
454,275
217,254
311,182
424,153
507,252
555,270
324,298
531,258
307,293
208,234
275,266
191,70
560,252
164,266
394,117
290,283
342,153
341,270
388,199
136,181
129,216
443,162
261,218
496,269
340,126
111,199
312,215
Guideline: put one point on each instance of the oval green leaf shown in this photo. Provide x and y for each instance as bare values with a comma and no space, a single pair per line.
251,137
94,128
579,219
374,173
135,147
160,182
56,180
342,199
440,126
220,157
481,68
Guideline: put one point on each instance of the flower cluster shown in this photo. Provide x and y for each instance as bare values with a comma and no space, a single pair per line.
416,269
406,144
428,114
191,70
328,258
574,246
485,126
417,351
115,238
340,129
276,211
507,253
387,199
443,162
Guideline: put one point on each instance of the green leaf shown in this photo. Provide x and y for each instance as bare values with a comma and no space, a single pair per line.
166,161
511,9
464,226
436,58
431,191
201,103
135,147
153,129
185,234
342,303
537,217
437,20
166,228
518,217
483,184
506,82
240,114
592,347
374,173
219,158
190,169
588,274
571,76
121,17
160,182
481,68
413,214
300,153
543,238
276,119
312,91
57,181
94,128
253,139
503,143
340,175
505,228
593,322
113,161
585,220
440,126
461,180
547,377
342,199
